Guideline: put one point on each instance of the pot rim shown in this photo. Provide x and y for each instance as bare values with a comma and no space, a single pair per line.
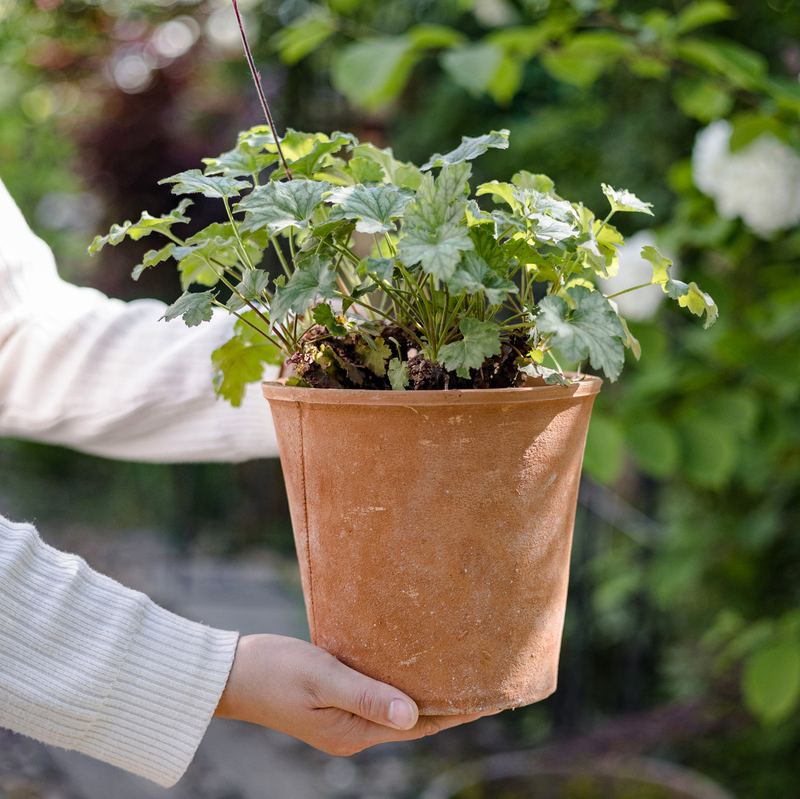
588,385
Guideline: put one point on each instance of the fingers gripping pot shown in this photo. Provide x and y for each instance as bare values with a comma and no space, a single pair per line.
433,530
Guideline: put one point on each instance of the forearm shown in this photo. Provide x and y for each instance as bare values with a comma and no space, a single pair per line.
107,377
87,664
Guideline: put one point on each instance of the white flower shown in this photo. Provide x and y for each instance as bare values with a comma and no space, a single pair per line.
760,182
639,305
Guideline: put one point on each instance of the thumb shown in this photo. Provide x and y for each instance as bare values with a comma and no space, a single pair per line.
371,700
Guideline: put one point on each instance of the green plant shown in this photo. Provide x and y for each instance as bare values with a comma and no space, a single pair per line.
448,294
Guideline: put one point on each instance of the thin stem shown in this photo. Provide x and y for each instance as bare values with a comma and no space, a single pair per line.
281,258
632,288
244,299
604,223
280,344
242,246
260,90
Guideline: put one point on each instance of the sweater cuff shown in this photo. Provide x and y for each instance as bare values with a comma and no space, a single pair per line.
164,696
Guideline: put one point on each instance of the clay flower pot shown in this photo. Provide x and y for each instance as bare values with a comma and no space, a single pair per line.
433,530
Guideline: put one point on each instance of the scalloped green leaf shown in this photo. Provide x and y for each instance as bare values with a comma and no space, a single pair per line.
398,374
374,207
623,200
242,161
193,181
470,148
314,278
194,307
481,340
146,225
239,362
151,258
323,315
473,275
280,205
591,329
433,235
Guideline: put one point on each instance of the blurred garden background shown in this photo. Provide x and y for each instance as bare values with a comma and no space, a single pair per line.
683,630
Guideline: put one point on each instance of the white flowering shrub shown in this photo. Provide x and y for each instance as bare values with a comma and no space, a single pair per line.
759,182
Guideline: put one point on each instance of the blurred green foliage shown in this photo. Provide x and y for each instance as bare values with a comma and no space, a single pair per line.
702,435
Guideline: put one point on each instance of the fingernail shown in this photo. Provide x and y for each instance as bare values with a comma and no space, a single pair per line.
401,714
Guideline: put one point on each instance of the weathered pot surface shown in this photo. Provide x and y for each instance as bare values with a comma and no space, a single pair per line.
434,529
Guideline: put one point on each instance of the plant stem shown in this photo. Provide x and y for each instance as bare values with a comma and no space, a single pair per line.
260,90
632,288
279,253
280,344
242,246
244,300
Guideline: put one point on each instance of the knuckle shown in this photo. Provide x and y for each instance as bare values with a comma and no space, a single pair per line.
367,704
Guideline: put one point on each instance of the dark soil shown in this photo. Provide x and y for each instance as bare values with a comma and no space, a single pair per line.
328,361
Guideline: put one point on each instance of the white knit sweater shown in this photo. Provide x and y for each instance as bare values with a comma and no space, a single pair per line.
86,663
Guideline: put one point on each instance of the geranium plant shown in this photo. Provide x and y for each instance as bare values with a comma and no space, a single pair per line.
395,276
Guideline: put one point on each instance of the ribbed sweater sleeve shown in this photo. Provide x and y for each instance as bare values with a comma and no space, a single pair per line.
87,664
107,377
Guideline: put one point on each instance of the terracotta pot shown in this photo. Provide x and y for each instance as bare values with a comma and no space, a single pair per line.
433,530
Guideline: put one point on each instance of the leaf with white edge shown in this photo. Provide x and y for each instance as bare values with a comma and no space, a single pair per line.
193,307
481,341
374,207
278,206
470,148
380,268
661,276
538,202
398,374
551,377
698,302
323,315
144,227
474,275
151,258
193,181
631,342
771,681
688,295
313,278
239,362
374,357
551,230
242,161
592,329
623,200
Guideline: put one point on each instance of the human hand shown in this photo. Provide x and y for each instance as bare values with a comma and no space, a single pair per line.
302,690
